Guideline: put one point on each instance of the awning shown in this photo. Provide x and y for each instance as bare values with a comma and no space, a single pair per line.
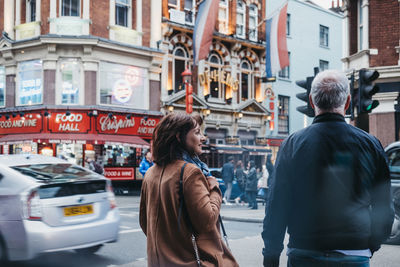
51,138
226,149
257,150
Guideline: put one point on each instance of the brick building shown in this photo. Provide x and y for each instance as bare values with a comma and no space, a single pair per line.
229,90
372,41
76,78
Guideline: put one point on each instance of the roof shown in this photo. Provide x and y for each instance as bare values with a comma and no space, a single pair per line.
23,159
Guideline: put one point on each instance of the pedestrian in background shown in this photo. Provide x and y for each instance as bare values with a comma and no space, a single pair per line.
241,180
146,163
330,188
179,199
228,172
251,185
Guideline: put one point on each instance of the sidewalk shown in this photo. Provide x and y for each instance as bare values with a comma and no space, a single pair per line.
242,213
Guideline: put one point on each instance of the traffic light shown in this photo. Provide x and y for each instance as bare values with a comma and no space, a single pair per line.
366,90
189,98
307,109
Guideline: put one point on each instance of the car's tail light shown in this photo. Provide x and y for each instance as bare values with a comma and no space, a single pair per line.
32,206
111,196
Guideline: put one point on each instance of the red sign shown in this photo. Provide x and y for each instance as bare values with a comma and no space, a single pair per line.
76,122
120,124
119,173
29,123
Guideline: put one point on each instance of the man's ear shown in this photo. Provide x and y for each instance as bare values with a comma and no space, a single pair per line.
311,102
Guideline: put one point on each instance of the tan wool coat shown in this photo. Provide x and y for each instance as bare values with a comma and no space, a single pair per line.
167,245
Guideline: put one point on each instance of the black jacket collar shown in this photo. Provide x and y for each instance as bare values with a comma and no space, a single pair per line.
329,117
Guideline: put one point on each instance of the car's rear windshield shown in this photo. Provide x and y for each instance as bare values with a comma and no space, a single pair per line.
63,171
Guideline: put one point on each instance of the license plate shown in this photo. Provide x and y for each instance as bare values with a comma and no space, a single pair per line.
78,210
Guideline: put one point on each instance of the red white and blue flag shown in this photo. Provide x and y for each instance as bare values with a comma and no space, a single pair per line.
276,52
204,28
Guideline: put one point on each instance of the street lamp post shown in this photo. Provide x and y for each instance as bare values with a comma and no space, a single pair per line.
187,75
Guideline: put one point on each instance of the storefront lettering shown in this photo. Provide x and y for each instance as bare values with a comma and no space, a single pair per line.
70,118
18,123
115,124
149,122
69,123
218,76
68,127
145,130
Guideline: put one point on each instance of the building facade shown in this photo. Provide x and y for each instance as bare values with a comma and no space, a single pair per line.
229,92
314,39
372,31
80,79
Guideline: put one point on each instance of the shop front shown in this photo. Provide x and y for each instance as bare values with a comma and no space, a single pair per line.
115,140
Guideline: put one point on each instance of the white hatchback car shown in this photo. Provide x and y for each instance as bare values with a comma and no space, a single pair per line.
48,204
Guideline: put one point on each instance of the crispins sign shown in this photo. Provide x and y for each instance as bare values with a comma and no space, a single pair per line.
120,124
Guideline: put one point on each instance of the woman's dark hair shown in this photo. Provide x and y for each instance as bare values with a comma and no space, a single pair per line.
169,137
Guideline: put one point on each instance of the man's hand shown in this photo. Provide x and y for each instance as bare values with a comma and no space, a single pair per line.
271,262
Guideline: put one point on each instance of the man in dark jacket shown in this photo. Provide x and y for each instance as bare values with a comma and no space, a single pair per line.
330,188
251,185
228,171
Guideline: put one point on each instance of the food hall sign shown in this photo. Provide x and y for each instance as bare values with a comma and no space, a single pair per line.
119,124
76,122
30,123
218,76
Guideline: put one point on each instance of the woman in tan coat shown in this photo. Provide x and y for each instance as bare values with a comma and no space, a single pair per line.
177,140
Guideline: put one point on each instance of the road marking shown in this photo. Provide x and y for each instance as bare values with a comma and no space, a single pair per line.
124,227
130,231
130,214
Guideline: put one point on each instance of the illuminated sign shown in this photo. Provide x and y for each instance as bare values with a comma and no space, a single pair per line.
30,123
76,122
218,76
119,124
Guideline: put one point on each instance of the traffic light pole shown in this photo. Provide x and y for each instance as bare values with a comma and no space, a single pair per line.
362,122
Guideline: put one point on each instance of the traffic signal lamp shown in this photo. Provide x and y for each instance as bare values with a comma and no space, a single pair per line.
189,98
366,89
306,109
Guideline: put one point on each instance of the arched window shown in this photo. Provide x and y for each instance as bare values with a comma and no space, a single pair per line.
223,16
241,19
216,88
180,61
246,80
253,21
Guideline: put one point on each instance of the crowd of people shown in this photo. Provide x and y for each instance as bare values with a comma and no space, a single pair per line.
252,181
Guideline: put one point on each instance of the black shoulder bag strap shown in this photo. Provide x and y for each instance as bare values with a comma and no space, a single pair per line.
181,200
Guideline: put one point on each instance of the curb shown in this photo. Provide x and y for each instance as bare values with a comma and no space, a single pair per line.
248,220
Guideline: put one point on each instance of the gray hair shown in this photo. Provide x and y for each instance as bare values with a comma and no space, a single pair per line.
329,90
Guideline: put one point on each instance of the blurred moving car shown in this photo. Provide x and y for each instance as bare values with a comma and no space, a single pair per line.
217,173
393,154
48,204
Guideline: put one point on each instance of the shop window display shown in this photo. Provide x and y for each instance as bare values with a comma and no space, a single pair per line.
123,85
120,156
30,89
70,76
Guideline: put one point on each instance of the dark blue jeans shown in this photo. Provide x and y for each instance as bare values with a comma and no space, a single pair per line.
307,258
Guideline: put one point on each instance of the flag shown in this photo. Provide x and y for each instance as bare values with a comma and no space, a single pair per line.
276,51
204,28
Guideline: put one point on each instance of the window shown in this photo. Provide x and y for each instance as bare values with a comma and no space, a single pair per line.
123,85
2,86
241,19
31,10
216,88
174,4
180,61
285,72
323,36
288,25
30,89
70,8
70,81
323,65
122,12
360,25
253,21
223,16
246,80
283,114
189,11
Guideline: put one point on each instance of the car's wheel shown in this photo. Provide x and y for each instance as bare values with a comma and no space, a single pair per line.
394,237
89,250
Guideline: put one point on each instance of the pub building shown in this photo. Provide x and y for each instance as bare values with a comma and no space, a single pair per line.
238,107
80,79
